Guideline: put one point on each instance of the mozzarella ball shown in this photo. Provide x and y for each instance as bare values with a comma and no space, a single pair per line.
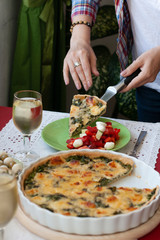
101,123
109,145
78,143
101,126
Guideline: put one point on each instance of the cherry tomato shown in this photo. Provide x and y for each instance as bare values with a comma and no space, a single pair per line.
92,129
85,140
71,140
70,146
108,131
109,123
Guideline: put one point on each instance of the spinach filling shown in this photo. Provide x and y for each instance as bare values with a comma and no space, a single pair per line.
127,166
77,130
104,182
29,181
100,104
106,160
82,159
117,212
76,102
46,207
78,211
113,189
76,120
55,197
99,201
151,194
29,184
34,195
41,168
81,212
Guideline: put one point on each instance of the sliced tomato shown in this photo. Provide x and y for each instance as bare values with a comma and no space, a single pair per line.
84,147
92,129
70,143
99,143
88,133
86,140
116,132
70,146
109,131
93,145
71,140
109,123
93,138
90,100
109,139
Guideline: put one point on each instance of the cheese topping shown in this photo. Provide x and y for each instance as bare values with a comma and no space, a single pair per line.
79,186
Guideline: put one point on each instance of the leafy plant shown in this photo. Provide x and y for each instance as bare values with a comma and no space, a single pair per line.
106,23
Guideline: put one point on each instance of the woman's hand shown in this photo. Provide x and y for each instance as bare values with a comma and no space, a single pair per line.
80,52
149,63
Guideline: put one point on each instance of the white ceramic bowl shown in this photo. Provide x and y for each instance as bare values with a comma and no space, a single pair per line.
142,176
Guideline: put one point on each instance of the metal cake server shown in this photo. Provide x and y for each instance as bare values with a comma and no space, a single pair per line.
113,90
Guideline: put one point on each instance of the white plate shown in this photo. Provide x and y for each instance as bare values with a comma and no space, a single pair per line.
142,176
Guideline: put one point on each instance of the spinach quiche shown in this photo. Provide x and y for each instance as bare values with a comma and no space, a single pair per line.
79,184
84,110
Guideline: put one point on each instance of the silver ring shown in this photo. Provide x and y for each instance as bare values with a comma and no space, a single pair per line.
76,64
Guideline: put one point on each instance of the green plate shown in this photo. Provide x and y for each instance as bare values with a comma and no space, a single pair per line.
56,133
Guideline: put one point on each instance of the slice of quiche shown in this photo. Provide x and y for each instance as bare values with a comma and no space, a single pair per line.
85,109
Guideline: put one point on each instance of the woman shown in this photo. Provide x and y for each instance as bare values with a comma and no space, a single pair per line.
138,31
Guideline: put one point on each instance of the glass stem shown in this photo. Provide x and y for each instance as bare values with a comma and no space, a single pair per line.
1,233
26,143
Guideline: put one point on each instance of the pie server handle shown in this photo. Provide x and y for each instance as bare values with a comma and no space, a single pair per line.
125,81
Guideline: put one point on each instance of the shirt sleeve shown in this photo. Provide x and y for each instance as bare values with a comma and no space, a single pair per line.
85,7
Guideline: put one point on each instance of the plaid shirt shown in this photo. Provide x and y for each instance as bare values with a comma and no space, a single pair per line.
125,38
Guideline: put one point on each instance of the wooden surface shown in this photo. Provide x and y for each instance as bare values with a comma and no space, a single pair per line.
50,234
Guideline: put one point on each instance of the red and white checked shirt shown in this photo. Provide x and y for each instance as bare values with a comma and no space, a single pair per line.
125,38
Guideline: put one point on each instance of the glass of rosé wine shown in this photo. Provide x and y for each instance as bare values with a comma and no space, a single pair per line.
27,117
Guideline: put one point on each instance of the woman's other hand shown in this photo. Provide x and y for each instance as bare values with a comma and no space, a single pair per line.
149,63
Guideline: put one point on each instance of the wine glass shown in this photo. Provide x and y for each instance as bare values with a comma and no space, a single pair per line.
8,199
27,117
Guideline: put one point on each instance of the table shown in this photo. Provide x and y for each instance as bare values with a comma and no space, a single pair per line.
16,231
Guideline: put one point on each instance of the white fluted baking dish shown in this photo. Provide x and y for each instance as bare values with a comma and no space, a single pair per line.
143,176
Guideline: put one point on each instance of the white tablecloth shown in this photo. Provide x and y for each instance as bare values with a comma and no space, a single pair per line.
11,141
